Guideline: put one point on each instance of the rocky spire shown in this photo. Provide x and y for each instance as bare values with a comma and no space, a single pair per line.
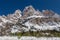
28,11
29,8
18,13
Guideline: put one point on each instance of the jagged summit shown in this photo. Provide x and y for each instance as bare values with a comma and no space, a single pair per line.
17,11
56,15
29,8
48,12
28,11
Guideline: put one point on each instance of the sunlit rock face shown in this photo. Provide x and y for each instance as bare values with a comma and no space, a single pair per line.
31,20
28,11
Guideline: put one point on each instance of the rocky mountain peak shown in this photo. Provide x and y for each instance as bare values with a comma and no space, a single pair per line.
48,12
28,11
18,12
29,8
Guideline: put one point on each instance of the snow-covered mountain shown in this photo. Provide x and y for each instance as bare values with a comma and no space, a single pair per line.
31,20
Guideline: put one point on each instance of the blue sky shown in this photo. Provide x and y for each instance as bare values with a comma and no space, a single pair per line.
9,6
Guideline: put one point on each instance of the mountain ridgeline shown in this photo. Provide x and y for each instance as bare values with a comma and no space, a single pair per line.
31,20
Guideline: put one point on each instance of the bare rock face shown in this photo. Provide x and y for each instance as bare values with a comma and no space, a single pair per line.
28,11
18,13
48,12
